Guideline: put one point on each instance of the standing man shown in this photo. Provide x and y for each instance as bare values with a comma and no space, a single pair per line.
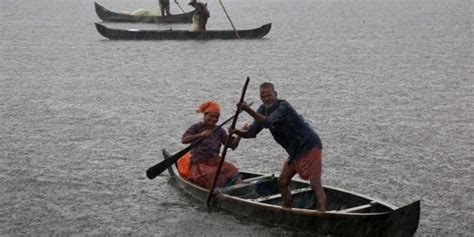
200,17
297,137
165,7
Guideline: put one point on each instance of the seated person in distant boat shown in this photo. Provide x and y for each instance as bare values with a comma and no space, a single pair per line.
205,156
200,17
165,7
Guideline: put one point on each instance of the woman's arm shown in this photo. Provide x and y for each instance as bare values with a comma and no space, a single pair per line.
189,138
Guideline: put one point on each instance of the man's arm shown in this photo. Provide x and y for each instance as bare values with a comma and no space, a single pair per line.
240,133
248,131
258,117
236,140
266,121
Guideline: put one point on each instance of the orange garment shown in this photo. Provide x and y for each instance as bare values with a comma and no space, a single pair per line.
309,166
209,106
184,165
202,173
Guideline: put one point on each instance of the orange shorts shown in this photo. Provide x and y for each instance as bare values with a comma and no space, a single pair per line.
308,167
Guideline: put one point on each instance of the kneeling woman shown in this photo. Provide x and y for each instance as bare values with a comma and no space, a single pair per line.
205,156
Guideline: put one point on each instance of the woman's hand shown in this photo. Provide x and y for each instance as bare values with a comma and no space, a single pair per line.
205,133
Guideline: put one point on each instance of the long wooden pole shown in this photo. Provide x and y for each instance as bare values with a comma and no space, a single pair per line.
232,24
176,1
157,169
227,143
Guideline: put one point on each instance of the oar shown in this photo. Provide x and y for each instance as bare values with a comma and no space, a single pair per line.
176,1
232,24
157,169
227,143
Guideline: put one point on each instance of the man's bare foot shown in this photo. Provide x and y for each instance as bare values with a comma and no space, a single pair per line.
287,204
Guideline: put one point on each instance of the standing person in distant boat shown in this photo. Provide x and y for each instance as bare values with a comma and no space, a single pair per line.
164,7
200,17
297,137
205,156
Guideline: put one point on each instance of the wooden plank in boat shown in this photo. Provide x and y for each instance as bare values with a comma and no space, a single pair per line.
258,178
278,195
359,208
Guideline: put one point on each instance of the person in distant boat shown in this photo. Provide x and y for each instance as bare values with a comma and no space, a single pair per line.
205,156
164,7
300,141
200,17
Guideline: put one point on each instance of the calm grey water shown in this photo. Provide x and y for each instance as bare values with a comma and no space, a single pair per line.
388,85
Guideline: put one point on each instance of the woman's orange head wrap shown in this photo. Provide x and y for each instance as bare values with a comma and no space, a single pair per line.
209,106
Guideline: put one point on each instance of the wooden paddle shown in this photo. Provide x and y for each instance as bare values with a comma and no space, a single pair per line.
157,169
227,143
232,24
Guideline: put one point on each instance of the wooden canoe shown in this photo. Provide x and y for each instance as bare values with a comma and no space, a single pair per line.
348,213
135,34
111,16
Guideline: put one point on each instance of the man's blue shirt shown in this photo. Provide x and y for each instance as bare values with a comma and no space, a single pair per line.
288,128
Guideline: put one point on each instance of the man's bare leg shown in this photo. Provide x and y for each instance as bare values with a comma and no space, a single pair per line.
283,185
320,195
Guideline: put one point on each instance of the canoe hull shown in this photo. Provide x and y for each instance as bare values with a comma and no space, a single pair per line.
383,220
119,34
110,16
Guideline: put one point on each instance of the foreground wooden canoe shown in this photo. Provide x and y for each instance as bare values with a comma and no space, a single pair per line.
110,16
349,214
134,34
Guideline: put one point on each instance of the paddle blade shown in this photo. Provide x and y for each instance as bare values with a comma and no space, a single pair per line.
157,169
